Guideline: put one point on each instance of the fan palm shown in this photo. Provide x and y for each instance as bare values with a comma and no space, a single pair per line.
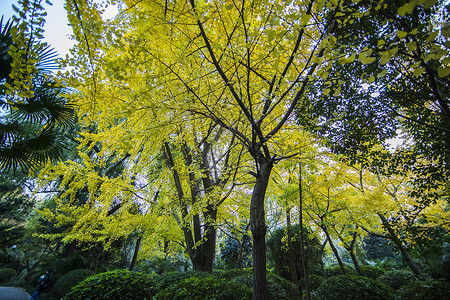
31,129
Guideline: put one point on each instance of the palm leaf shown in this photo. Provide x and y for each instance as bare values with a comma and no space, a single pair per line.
46,107
29,154
47,59
5,42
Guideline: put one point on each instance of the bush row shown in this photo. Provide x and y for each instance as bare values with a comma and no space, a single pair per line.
233,284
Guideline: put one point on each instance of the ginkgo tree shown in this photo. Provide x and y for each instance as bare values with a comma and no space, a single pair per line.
160,64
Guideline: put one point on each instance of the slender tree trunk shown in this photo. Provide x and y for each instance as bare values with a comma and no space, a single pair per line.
322,265
400,247
336,254
292,266
351,251
135,254
258,228
302,234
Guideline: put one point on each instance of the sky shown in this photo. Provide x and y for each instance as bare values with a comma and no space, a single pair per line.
57,30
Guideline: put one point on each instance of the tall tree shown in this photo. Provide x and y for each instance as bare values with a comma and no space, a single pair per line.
391,75
244,65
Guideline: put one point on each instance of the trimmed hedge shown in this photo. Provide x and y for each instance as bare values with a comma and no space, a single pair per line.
204,288
71,279
352,287
232,284
314,282
371,271
335,270
117,284
430,290
397,278
7,274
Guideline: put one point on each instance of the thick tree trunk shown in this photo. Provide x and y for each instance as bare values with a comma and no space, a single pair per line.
258,228
292,265
302,234
412,265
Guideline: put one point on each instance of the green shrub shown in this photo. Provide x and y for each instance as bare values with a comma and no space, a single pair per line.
314,282
117,284
351,287
397,278
201,288
429,290
277,251
232,273
335,270
371,271
17,283
280,288
7,274
63,266
167,279
236,282
71,279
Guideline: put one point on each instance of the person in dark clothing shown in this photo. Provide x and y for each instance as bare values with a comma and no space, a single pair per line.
43,284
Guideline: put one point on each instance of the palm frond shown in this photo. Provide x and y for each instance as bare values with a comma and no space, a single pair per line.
5,43
29,154
46,107
47,60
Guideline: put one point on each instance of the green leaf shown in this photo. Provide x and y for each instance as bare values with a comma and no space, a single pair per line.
401,34
412,46
418,71
444,72
432,36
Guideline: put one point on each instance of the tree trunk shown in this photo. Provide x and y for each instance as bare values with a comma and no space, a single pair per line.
322,265
135,254
302,234
258,228
292,266
400,247
336,254
351,251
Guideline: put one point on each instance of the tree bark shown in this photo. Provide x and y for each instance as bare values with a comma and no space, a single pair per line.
412,265
302,234
336,254
258,228
291,256
351,250
135,254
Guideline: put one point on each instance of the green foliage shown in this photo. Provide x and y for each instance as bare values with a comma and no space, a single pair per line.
371,271
165,280
7,274
205,288
34,113
232,250
65,283
163,265
351,287
314,282
397,278
63,266
117,284
335,270
280,288
430,290
377,247
277,255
